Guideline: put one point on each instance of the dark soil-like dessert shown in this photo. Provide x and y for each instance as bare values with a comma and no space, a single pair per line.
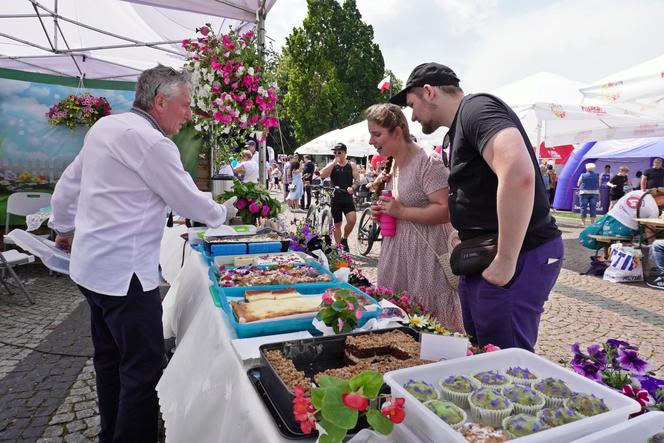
390,344
287,371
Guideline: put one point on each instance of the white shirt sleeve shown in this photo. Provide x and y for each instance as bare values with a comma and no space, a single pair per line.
65,197
163,172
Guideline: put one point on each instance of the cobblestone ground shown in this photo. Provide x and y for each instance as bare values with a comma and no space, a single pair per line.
48,394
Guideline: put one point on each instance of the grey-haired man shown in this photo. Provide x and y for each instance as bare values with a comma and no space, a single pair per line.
114,195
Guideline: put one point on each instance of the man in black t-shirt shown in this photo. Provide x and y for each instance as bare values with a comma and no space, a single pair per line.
346,178
495,189
653,177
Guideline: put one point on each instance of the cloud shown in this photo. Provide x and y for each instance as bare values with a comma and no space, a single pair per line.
39,92
25,106
10,87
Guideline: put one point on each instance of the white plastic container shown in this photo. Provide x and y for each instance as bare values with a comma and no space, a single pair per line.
636,430
429,428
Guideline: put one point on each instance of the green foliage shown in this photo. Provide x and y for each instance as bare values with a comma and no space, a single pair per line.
340,310
253,201
329,69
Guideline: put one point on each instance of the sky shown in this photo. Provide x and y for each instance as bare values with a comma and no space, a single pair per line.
491,43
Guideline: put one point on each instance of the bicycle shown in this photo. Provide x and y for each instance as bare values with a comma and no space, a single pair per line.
368,232
319,215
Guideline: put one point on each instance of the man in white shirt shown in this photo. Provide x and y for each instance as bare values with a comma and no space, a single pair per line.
114,195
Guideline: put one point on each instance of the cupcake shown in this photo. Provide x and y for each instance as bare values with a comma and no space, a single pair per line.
553,417
448,412
521,425
587,405
525,399
491,379
657,438
457,389
554,390
421,390
489,407
521,375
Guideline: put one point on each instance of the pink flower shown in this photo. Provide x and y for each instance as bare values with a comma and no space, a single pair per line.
185,42
469,353
204,30
358,314
355,401
241,203
265,210
327,298
340,324
254,208
639,395
490,348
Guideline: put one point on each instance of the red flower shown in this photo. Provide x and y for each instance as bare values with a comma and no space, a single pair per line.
490,348
394,410
304,411
640,395
204,30
355,401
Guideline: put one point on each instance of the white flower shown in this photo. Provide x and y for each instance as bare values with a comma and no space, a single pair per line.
250,71
198,127
240,70
262,91
243,118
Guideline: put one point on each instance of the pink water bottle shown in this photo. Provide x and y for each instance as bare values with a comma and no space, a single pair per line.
388,224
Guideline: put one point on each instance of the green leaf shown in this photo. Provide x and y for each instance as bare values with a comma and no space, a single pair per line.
336,412
335,434
339,305
369,381
379,422
325,381
317,395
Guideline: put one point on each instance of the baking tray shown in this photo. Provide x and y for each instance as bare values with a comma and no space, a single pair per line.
310,356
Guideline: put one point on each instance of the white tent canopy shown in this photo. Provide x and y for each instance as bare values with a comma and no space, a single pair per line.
551,111
356,138
108,39
639,89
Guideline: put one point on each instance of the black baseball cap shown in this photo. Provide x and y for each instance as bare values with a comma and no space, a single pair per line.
433,74
340,147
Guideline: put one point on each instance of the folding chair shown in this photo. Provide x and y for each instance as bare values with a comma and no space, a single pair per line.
24,203
8,260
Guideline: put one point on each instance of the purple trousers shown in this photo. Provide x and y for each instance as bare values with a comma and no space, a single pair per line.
509,316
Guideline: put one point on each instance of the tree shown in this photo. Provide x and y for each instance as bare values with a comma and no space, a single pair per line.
331,67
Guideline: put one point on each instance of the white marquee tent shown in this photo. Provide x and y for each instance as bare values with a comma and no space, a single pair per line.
356,138
110,39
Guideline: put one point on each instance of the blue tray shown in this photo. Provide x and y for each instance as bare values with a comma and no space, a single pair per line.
324,285
245,330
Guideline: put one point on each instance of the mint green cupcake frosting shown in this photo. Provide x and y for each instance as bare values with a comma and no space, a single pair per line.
421,390
657,438
585,404
558,416
521,425
523,395
493,378
521,373
447,411
553,387
458,383
489,399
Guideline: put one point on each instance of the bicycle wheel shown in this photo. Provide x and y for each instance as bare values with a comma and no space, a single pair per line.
325,221
309,219
365,232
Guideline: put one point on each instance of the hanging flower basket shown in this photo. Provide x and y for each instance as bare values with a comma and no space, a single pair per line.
78,110
231,100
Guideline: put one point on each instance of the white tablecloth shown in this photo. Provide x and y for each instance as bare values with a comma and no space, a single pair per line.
205,394
171,252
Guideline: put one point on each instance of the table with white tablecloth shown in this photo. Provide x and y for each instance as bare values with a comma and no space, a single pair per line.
204,393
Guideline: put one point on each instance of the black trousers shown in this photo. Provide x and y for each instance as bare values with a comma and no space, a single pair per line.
307,194
128,340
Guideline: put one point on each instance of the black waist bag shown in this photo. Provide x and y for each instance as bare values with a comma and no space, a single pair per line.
474,255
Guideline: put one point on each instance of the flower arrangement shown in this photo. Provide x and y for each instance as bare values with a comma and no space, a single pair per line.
340,310
400,298
336,405
253,201
231,98
78,110
618,365
426,323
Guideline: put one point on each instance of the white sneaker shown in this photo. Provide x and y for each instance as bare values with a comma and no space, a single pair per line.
657,283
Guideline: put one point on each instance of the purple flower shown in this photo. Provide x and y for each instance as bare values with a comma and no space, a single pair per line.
241,203
629,360
265,210
254,208
617,343
652,385
598,353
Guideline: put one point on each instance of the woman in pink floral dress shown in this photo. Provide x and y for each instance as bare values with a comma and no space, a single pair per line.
408,261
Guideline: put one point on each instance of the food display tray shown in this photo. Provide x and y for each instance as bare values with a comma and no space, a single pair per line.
243,244
229,260
637,429
310,356
222,292
300,322
429,428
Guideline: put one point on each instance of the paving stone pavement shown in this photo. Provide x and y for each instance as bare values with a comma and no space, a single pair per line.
51,398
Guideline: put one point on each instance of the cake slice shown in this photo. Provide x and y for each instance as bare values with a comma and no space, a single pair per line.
267,309
266,294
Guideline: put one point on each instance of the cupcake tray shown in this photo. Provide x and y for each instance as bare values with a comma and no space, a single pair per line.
310,356
430,428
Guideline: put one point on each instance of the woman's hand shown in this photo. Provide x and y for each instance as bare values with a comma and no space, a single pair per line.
392,207
375,211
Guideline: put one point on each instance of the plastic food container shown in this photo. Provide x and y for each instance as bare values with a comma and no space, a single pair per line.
638,429
429,428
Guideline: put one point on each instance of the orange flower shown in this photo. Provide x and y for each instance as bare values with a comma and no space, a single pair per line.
342,264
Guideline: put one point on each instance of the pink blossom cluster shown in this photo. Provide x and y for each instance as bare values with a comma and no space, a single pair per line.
238,96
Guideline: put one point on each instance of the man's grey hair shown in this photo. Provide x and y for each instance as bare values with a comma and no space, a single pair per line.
160,79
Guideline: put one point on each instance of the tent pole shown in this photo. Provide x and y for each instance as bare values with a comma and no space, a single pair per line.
260,26
55,27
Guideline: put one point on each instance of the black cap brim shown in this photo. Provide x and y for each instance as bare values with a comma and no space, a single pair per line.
400,98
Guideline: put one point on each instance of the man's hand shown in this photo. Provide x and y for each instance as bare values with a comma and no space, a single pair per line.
349,190
64,242
500,271
231,210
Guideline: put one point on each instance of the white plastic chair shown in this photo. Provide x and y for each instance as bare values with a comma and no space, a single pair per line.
8,260
24,203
